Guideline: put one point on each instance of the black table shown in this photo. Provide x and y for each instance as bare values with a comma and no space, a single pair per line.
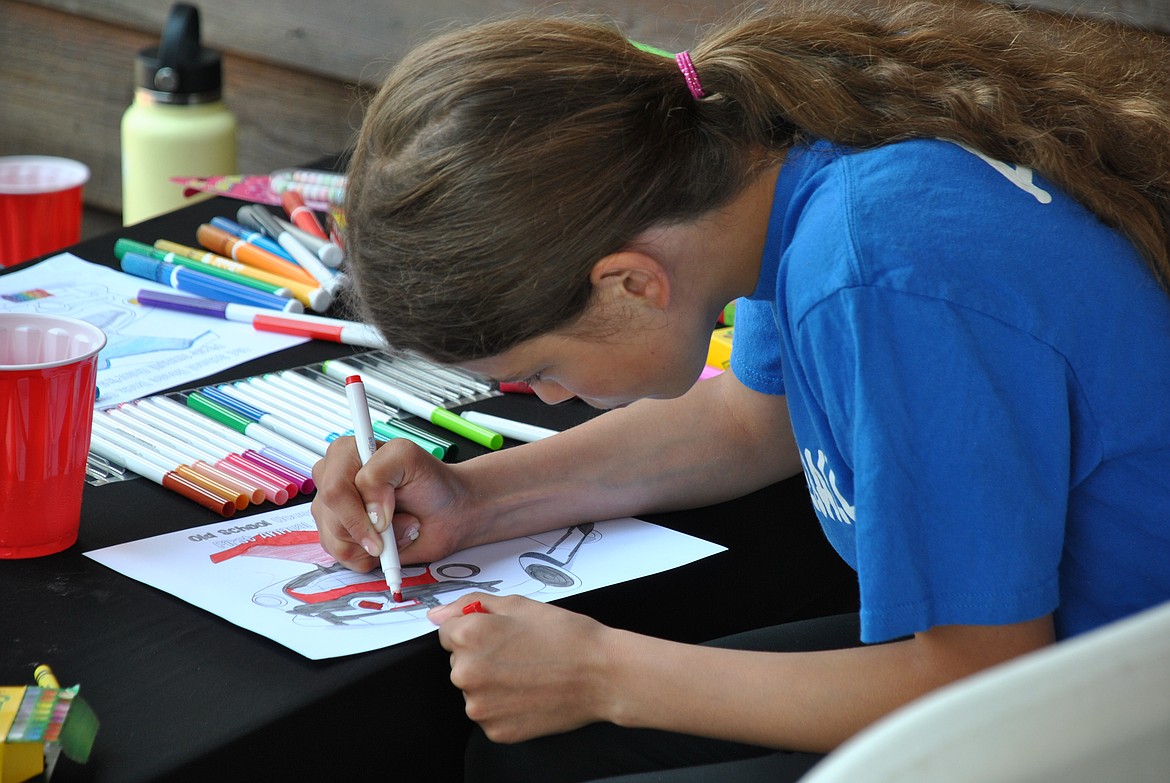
185,695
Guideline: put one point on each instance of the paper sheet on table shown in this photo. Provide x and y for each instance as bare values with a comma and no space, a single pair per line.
269,574
148,348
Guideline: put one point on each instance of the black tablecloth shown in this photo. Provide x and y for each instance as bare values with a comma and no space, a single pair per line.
185,695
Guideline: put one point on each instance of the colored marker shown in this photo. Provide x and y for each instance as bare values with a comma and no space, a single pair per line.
156,428
325,249
216,403
330,392
291,461
222,261
251,236
321,187
516,430
259,257
516,387
333,329
420,407
404,379
273,385
363,433
160,475
226,244
301,216
475,607
196,470
275,487
44,677
275,481
396,428
292,409
316,327
241,425
307,292
431,375
207,263
252,213
201,284
270,487
325,397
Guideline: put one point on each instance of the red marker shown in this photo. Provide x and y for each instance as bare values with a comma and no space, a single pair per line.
363,434
301,216
474,607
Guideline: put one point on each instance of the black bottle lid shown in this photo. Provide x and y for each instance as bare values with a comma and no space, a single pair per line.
179,70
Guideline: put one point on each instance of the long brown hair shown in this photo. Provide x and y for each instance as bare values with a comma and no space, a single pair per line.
500,161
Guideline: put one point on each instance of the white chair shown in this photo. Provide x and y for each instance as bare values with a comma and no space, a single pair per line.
1092,709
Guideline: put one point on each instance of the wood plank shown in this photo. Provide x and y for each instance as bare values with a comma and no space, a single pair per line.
356,39
70,102
1150,14
67,71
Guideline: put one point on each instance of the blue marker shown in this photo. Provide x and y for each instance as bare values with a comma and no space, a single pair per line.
251,237
195,282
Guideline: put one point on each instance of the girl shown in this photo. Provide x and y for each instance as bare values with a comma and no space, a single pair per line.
947,222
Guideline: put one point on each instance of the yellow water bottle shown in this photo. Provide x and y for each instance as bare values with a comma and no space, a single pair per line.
178,124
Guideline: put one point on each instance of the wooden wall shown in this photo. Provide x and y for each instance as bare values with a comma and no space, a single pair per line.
295,71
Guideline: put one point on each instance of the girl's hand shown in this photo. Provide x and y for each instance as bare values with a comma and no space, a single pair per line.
526,668
421,496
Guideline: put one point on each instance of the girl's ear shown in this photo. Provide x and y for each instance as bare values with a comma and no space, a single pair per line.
632,276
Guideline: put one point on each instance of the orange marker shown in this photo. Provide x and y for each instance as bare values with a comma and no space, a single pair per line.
261,259
167,478
301,216
475,607
221,242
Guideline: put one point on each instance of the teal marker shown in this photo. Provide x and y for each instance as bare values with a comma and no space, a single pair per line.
388,431
441,417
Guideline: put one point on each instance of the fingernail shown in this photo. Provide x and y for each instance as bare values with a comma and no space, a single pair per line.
408,535
376,518
373,547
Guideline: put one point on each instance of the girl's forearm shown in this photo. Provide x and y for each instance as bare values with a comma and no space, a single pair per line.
718,441
810,701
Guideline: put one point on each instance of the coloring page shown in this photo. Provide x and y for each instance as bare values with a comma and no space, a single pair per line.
147,348
269,574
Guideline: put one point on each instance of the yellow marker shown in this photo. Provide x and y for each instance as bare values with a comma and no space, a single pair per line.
719,351
312,296
45,677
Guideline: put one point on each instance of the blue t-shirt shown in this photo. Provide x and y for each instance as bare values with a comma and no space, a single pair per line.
978,374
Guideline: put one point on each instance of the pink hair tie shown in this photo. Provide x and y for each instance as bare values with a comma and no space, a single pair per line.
688,71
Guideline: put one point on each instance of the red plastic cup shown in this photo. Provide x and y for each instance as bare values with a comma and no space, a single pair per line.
48,384
40,205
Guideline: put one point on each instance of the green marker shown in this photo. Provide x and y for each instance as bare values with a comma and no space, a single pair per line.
124,246
256,424
228,418
441,417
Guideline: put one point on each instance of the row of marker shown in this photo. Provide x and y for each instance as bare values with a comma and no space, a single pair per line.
258,260
255,440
